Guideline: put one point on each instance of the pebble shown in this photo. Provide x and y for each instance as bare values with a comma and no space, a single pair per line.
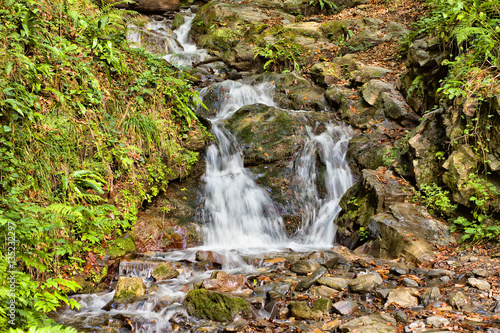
430,296
445,279
401,317
434,273
480,272
346,307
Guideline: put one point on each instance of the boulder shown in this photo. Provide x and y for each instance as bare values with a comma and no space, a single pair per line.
215,306
367,73
334,282
364,40
346,307
307,282
330,73
155,6
129,288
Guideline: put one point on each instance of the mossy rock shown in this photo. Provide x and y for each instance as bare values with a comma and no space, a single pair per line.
337,30
178,21
221,39
129,288
164,272
215,306
301,310
121,246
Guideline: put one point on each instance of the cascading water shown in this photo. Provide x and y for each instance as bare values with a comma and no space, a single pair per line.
318,228
182,50
240,214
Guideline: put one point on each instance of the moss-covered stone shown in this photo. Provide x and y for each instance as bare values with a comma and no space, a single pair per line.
164,272
216,306
129,288
301,310
121,246
178,21
323,304
337,30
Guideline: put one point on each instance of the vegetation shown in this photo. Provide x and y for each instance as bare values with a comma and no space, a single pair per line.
89,129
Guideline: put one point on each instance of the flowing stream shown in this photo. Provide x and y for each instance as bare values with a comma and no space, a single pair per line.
239,218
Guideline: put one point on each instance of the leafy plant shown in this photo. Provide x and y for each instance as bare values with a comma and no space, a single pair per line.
284,54
435,199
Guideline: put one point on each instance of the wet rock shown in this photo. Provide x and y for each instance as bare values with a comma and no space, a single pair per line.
437,321
279,288
307,282
479,284
407,282
224,282
399,270
129,288
334,283
329,259
121,246
365,283
434,273
215,306
323,291
164,272
388,188
210,257
303,266
460,302
430,296
301,310
330,73
403,297
236,326
377,323
178,21
346,307
331,326
323,304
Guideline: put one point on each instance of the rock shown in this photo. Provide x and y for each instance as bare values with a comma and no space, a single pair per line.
224,282
407,282
329,259
371,90
408,232
365,283
479,284
434,273
301,310
215,306
323,291
394,106
437,321
236,326
346,307
331,326
461,163
377,323
480,272
279,288
334,283
382,293
323,304
460,302
430,296
401,317
129,288
365,40
397,270
337,30
330,73
337,96
367,73
396,30
403,297
178,21
388,188
164,272
307,282
153,6
303,266
496,308
210,257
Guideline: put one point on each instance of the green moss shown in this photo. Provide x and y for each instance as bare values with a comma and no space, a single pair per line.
122,246
178,21
212,305
322,304
164,272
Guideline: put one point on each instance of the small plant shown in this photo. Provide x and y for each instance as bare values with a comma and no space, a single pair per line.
364,233
282,55
435,199
322,3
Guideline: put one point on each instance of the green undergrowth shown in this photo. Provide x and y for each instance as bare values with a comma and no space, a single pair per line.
89,129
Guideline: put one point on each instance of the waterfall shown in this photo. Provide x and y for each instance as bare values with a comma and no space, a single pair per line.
318,228
239,213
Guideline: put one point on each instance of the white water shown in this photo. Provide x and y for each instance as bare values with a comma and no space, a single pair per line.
182,51
240,214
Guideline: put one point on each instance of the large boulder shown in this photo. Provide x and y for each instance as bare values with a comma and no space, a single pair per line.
152,6
129,288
